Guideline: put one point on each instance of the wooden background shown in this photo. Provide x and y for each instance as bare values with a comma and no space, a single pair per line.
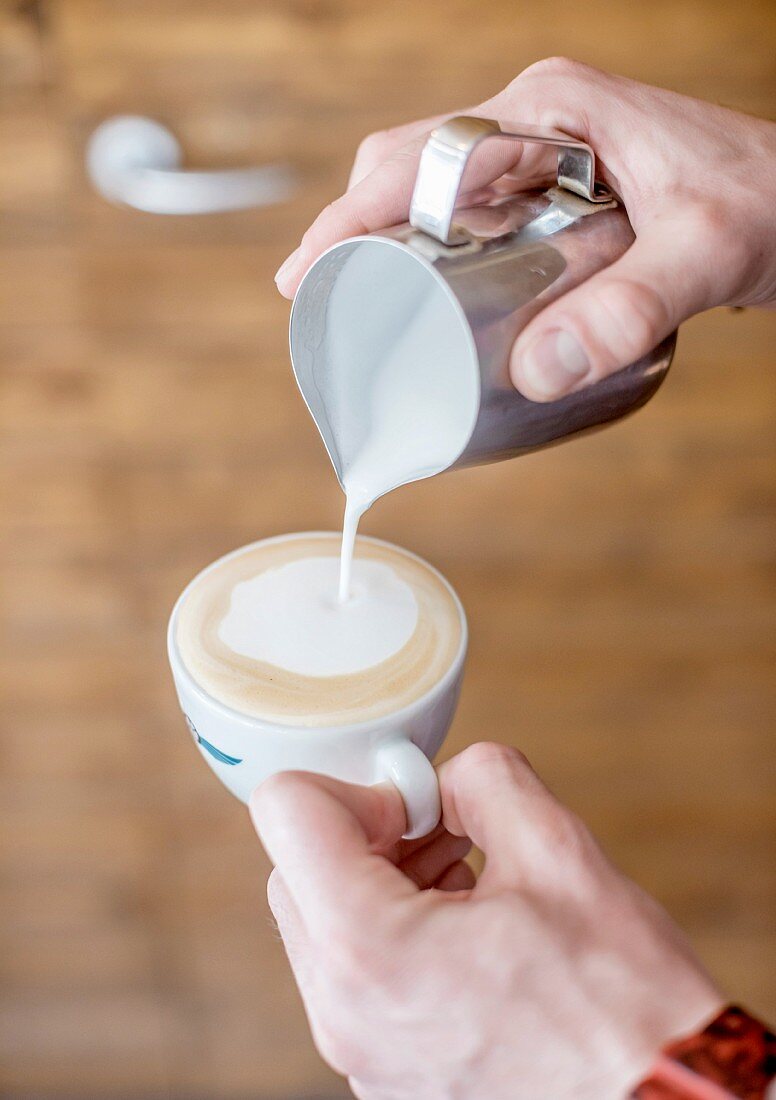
619,589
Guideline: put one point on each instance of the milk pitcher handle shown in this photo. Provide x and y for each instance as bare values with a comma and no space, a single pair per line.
447,152
402,763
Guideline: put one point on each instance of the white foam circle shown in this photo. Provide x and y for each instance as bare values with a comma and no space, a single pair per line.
291,617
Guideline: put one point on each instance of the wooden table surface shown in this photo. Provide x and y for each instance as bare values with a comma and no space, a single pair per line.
620,588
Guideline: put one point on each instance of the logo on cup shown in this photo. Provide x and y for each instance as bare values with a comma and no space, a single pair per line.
217,754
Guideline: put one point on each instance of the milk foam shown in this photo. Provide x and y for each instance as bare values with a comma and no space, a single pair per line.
291,617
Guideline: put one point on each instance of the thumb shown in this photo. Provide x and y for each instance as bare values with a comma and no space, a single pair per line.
323,837
615,317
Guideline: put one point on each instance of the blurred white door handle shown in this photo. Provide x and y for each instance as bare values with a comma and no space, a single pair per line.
137,162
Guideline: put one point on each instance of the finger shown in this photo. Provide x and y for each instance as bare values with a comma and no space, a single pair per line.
322,835
426,865
540,96
456,878
382,198
618,316
377,147
491,794
403,848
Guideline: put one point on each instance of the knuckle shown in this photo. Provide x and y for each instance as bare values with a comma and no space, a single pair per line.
706,218
493,754
318,227
374,146
392,138
557,66
310,234
711,227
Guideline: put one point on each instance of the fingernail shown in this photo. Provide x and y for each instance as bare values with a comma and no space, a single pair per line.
553,364
286,266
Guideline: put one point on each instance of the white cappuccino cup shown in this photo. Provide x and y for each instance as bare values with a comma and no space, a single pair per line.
244,747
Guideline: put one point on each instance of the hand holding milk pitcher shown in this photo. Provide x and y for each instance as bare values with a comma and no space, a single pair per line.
406,342
696,180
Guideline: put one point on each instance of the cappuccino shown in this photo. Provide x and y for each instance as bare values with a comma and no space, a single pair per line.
265,632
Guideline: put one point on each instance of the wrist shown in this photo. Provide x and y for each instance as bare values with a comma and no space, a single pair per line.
733,1056
645,1021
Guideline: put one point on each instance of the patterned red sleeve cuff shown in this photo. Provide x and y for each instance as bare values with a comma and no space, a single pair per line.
734,1057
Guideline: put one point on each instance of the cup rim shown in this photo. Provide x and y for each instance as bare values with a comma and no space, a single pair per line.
181,672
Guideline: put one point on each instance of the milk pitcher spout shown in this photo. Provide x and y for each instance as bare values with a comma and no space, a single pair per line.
420,319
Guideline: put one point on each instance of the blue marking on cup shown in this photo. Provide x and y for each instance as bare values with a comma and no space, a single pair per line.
222,756
217,754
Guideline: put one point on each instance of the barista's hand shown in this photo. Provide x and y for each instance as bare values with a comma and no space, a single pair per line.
552,976
698,181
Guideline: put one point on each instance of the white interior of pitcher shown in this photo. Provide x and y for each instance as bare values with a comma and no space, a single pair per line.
386,361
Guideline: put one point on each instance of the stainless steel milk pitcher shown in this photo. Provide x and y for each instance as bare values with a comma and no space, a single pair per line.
497,264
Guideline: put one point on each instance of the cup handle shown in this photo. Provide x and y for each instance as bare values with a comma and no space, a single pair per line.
412,773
